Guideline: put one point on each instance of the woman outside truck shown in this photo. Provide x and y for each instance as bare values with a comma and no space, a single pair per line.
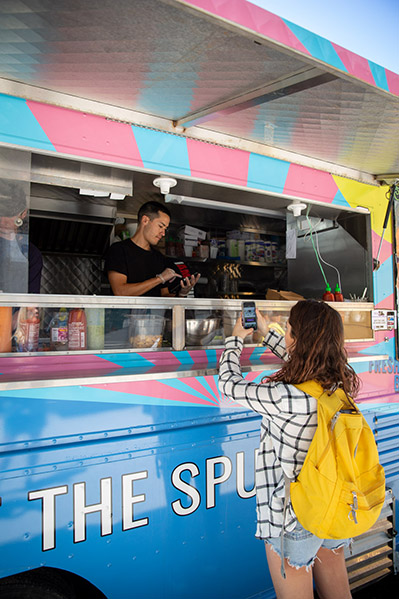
313,348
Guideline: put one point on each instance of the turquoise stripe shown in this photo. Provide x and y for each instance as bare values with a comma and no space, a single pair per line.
267,173
19,126
180,385
383,281
386,347
318,46
88,394
163,151
132,360
379,75
339,199
183,357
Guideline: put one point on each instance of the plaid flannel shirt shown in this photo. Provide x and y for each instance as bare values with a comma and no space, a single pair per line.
289,420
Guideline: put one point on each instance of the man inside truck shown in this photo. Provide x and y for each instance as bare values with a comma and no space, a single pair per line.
135,267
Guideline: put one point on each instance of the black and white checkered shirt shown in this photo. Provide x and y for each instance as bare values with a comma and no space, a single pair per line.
289,420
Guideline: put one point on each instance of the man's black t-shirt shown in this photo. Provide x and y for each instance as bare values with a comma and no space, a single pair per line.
137,264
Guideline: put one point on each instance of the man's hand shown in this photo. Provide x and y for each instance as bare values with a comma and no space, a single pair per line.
168,275
187,284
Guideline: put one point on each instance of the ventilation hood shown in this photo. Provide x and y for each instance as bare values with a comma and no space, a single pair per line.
64,222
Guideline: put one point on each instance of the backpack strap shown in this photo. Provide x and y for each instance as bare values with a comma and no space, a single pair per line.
287,486
314,389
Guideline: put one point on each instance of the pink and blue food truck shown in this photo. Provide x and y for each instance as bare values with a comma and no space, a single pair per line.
124,471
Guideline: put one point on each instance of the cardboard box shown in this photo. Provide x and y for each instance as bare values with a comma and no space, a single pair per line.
193,232
288,296
192,242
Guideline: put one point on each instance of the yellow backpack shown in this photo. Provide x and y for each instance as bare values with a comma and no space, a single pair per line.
340,490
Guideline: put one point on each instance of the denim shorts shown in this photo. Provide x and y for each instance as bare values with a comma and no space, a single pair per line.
301,546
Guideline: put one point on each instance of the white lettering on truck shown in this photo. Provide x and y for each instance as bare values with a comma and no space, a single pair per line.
218,470
48,513
128,500
80,509
212,480
185,488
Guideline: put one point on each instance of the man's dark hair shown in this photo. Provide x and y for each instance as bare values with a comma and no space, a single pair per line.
151,209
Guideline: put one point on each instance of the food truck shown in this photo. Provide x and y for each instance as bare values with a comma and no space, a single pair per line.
124,471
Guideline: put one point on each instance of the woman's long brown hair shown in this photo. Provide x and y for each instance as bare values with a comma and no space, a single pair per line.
318,351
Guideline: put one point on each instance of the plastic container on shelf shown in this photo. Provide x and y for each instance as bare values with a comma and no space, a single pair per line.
250,249
232,248
241,250
77,329
260,250
146,330
59,330
95,328
274,247
268,252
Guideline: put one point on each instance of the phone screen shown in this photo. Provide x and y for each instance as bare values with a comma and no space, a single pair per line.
249,315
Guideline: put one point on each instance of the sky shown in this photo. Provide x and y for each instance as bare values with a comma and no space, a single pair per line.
369,28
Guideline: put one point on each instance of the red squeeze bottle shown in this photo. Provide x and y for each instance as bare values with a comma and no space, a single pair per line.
328,295
338,297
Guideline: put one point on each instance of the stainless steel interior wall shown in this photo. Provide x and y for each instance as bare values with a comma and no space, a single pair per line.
342,250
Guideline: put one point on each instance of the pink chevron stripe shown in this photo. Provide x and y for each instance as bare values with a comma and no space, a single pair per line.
199,356
305,182
393,82
212,382
251,376
195,384
355,64
387,303
386,248
27,366
254,18
161,359
377,387
151,389
81,134
218,163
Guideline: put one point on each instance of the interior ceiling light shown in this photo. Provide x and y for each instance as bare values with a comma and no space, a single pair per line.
226,206
164,184
296,208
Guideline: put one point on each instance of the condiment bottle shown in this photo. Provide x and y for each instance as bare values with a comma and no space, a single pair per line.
28,328
5,329
77,329
328,295
338,297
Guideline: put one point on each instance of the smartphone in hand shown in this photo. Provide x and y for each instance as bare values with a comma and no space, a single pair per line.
249,315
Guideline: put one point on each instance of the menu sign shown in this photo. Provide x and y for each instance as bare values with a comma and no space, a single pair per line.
383,320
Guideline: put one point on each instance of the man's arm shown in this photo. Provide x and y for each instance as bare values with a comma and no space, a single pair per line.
119,285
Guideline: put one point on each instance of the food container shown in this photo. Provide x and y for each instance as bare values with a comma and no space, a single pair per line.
146,331
201,331
268,252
